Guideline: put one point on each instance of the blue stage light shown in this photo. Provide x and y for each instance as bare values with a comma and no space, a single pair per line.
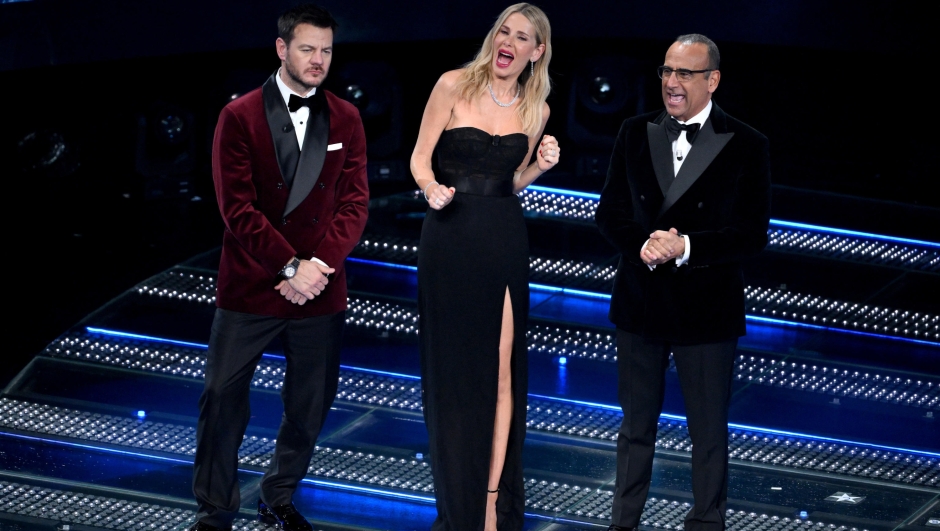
141,414
96,448
128,335
804,515
576,402
569,291
368,490
562,360
382,264
841,330
573,193
845,232
374,371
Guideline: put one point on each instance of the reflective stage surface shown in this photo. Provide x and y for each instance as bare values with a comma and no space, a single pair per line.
834,411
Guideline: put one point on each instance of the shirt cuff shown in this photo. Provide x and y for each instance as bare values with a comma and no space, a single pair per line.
322,263
685,255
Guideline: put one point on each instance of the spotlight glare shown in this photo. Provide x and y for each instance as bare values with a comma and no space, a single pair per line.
357,96
601,90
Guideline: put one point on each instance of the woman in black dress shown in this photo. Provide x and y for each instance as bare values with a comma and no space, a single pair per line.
480,128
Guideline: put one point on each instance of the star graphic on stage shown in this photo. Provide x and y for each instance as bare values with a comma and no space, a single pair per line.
845,497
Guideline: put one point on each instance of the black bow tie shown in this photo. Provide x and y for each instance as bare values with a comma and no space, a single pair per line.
673,128
295,102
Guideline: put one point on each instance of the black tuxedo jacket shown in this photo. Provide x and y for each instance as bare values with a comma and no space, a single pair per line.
720,199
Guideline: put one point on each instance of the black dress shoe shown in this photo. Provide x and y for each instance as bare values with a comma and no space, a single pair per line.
620,528
199,526
283,517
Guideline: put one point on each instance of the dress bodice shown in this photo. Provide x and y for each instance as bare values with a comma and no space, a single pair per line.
475,162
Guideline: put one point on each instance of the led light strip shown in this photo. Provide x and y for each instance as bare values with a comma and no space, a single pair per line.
560,343
369,388
773,222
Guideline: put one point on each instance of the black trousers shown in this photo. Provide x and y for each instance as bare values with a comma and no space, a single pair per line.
705,375
312,348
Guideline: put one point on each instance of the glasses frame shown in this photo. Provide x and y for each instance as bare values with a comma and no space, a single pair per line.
680,72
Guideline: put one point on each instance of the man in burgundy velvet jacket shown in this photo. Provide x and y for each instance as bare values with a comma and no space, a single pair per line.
289,165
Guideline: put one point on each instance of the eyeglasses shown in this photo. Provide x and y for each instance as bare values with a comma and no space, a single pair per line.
682,74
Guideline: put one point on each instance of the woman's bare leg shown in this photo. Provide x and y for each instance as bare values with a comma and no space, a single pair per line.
503,413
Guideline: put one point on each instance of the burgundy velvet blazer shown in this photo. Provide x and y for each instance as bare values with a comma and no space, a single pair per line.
260,236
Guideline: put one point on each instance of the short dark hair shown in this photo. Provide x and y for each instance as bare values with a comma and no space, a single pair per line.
304,14
714,58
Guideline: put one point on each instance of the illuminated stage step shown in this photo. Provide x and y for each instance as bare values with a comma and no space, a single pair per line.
763,304
25,504
107,512
784,236
599,277
573,500
409,479
28,505
558,272
556,416
772,303
390,319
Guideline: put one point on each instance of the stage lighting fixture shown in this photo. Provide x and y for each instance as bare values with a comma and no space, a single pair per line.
601,91
171,129
357,96
166,151
605,91
47,153
373,87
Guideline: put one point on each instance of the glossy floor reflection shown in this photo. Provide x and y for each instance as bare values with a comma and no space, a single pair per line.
831,430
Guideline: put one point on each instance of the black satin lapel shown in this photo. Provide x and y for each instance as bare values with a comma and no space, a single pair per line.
312,156
661,152
708,145
282,129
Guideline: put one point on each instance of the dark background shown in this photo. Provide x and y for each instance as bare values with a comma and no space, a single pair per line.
97,200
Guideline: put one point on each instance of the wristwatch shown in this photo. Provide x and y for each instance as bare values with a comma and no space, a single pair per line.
290,269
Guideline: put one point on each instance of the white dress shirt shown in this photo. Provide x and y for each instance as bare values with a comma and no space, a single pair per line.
680,151
301,115
681,146
299,119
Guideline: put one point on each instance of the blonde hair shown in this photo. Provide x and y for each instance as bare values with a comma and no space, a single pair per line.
477,73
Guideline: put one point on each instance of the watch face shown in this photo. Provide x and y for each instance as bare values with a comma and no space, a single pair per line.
290,271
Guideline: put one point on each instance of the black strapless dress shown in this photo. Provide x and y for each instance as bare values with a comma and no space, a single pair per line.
471,251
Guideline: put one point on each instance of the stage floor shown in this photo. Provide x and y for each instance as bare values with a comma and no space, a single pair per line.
834,421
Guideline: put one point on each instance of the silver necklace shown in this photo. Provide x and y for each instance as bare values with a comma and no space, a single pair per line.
501,104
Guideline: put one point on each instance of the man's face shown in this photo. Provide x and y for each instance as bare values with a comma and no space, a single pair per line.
685,99
306,60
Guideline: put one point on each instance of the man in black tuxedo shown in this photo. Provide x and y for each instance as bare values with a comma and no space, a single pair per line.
689,176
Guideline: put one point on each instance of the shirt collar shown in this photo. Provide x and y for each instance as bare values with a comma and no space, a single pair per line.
701,116
286,91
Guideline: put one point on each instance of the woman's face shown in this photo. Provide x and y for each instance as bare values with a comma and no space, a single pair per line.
514,46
